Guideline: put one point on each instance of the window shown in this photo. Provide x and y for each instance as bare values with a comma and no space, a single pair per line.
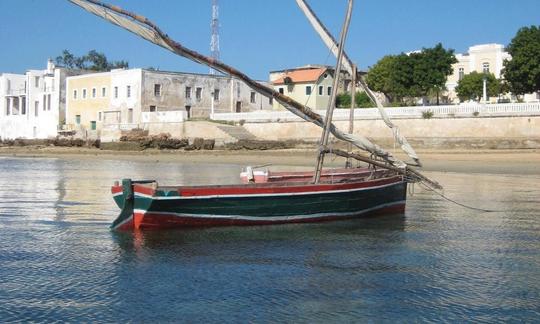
36,82
7,106
94,92
36,108
270,100
23,105
321,89
198,93
84,93
485,67
188,92
252,97
461,73
130,116
308,90
116,92
152,108
93,125
157,90
128,91
103,92
15,105
216,94
74,94
78,119
99,116
48,102
329,91
44,102
280,90
326,75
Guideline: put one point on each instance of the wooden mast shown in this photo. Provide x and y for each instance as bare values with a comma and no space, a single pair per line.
332,100
348,164
146,29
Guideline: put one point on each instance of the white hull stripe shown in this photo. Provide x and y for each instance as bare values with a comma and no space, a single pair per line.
130,218
271,218
138,194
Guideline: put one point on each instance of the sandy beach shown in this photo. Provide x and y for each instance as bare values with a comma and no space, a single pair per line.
524,162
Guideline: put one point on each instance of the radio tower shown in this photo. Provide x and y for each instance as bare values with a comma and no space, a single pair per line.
214,42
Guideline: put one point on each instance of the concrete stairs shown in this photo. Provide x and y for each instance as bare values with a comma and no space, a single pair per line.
238,132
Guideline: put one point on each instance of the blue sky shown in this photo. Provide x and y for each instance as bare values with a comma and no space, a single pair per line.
256,36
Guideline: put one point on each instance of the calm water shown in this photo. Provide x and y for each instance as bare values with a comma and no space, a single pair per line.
60,261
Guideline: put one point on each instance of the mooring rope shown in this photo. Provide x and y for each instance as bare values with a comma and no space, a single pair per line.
458,203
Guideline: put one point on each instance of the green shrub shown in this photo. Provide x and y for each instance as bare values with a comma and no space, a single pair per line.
427,114
343,100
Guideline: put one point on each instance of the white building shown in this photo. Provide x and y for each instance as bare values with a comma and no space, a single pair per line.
33,103
14,107
485,58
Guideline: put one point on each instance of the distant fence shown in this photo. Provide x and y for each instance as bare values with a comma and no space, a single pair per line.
446,111
125,126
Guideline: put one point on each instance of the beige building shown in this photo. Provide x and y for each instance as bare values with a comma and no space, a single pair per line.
133,98
88,97
310,85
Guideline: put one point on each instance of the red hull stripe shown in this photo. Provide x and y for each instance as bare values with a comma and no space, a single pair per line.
272,188
143,189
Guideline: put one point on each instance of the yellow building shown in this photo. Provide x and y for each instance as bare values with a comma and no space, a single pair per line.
309,85
87,97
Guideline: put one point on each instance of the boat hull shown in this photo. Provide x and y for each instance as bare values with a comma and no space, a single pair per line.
262,204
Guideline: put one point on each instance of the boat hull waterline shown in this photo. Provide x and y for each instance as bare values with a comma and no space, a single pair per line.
147,206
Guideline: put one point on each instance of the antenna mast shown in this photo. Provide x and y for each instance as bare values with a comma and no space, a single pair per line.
214,41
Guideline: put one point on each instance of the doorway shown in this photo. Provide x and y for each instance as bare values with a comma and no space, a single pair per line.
188,111
239,106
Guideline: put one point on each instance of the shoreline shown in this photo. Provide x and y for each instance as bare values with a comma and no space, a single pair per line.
518,162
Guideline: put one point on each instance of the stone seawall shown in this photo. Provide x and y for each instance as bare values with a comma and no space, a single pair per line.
519,132
443,133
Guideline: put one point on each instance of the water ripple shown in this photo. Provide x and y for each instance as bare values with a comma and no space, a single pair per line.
438,263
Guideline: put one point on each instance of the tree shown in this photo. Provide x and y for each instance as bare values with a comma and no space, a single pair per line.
392,76
523,71
412,75
432,68
93,61
379,77
471,87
